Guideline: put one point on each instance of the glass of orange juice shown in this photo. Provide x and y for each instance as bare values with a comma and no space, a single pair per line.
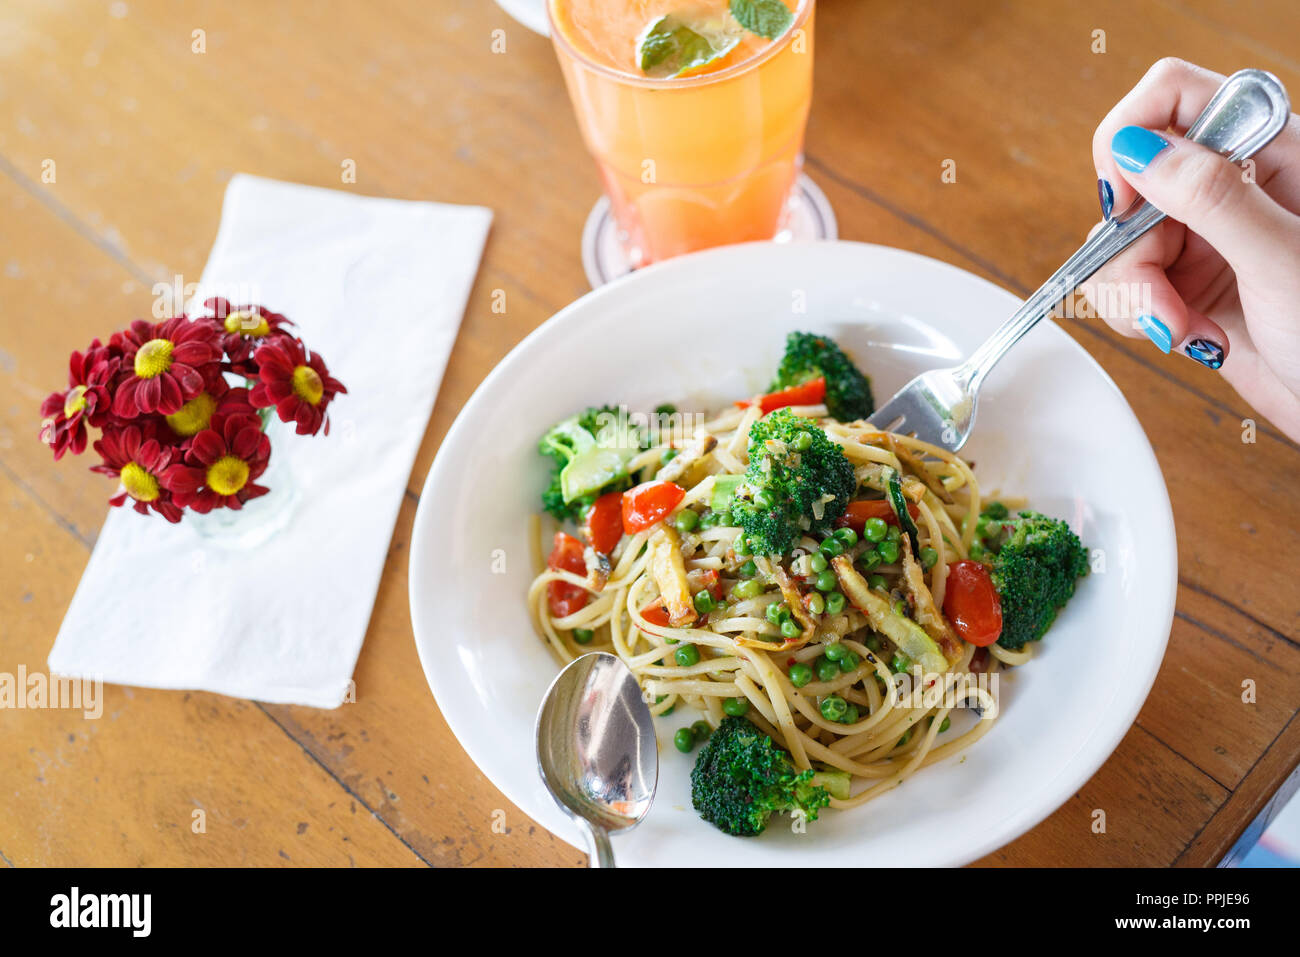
694,111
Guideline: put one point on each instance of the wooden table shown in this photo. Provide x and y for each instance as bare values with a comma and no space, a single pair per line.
142,134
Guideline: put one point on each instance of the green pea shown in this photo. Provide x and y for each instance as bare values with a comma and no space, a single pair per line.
742,546
686,520
831,547
802,442
834,603
899,663
708,519
583,636
869,560
748,570
878,581
687,655
834,708
835,651
684,740
775,612
735,707
800,674
849,662
894,533
815,602
747,589
704,602
850,715
928,557
875,529
817,562
827,670
827,581
725,518
702,730
764,498
888,552
848,536
872,642
791,629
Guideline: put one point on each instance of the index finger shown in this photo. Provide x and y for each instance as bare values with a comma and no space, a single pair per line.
1171,95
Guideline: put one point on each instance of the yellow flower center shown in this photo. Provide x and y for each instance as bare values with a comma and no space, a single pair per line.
75,401
153,359
246,323
307,385
193,417
139,484
227,475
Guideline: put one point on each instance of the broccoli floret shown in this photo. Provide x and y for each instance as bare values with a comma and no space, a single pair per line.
565,440
1036,562
795,473
807,356
741,779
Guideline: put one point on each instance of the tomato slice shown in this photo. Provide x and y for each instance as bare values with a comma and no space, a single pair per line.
856,515
604,525
656,614
566,555
648,503
812,392
971,603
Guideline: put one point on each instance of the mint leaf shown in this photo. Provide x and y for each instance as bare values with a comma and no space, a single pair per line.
767,18
668,47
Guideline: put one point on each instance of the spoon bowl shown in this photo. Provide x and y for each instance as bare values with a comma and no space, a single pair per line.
597,750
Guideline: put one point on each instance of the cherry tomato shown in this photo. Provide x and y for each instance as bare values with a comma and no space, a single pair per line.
812,392
971,603
648,503
605,522
856,515
566,555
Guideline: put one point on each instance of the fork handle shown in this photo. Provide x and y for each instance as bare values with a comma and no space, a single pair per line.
1249,109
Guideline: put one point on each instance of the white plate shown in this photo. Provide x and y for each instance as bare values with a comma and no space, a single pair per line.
704,329
531,13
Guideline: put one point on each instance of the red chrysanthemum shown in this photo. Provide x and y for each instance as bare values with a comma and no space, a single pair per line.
196,414
135,456
296,383
86,401
243,329
165,364
221,464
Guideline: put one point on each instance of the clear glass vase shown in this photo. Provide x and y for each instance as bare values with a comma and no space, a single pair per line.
261,518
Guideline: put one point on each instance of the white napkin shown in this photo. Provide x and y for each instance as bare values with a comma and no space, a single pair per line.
378,287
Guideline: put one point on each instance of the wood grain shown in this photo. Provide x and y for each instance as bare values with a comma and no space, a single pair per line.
144,134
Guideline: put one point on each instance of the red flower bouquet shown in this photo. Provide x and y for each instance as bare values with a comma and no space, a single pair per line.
175,431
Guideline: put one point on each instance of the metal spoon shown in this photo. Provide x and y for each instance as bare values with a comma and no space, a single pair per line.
939,406
597,750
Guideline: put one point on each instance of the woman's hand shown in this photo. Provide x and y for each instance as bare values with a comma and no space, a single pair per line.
1219,280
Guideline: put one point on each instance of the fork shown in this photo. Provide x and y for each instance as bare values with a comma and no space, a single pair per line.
938,406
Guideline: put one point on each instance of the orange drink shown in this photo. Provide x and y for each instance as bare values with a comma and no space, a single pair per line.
695,120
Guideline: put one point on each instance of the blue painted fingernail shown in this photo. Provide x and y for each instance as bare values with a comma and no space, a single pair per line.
1134,148
1205,351
1157,332
1106,195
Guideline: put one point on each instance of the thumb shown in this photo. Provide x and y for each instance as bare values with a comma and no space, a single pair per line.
1198,187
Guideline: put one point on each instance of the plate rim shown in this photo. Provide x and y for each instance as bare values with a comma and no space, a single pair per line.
1063,784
